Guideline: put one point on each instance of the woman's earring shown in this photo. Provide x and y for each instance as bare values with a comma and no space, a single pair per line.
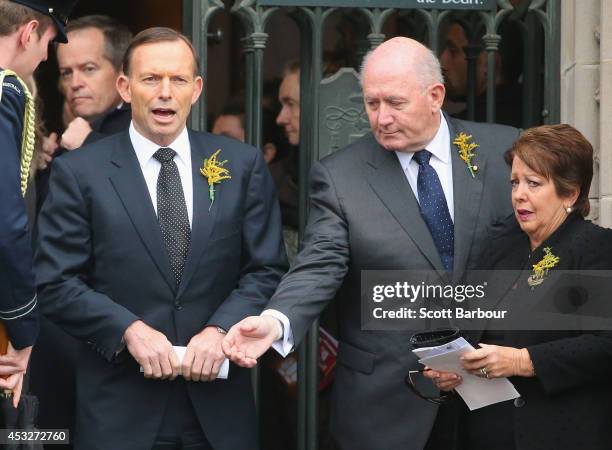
569,209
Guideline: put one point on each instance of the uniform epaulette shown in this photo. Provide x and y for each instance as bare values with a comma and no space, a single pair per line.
9,85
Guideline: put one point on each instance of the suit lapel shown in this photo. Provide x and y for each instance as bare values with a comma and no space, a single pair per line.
130,185
467,194
203,218
388,181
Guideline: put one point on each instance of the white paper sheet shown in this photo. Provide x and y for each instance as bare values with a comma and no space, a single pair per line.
180,354
475,391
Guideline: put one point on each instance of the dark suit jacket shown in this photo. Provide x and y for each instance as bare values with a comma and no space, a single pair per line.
102,264
364,216
568,405
114,121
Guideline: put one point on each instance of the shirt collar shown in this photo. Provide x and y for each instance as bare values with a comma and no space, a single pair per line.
438,147
145,148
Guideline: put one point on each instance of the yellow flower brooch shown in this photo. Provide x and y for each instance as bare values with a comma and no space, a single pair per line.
466,151
215,173
541,268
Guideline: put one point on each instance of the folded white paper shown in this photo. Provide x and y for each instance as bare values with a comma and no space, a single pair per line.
475,391
180,354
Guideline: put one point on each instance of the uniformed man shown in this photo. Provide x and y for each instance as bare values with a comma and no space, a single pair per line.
26,29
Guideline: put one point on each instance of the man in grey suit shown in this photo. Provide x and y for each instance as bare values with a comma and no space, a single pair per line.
371,209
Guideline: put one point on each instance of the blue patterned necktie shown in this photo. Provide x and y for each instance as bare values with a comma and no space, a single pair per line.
172,212
434,209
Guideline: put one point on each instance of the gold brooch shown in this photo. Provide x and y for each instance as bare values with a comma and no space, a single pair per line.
541,268
214,172
466,151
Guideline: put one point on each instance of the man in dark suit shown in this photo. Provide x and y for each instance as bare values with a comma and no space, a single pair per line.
399,198
26,30
139,251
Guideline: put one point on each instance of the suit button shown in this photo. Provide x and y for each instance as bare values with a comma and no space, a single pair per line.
519,402
178,306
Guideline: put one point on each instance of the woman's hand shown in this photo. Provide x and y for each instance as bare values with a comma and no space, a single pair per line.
494,361
444,381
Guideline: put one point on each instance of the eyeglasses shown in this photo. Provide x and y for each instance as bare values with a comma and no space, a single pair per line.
410,382
430,338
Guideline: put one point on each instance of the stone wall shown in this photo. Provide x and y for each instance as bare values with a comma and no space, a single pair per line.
586,89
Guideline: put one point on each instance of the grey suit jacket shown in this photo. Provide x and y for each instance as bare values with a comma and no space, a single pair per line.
364,216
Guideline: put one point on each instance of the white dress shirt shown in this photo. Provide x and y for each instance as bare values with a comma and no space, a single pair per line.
440,149
145,149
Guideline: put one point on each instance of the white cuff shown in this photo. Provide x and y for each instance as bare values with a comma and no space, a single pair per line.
284,345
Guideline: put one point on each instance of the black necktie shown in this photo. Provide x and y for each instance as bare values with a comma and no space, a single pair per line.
172,212
434,209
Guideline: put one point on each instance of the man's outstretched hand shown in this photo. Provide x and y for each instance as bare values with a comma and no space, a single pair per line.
250,338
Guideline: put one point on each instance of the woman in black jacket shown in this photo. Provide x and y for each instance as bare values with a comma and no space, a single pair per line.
564,377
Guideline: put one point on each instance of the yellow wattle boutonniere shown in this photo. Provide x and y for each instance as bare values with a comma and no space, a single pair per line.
214,172
466,151
541,268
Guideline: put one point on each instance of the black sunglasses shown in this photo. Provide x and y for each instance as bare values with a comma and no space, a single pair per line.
430,339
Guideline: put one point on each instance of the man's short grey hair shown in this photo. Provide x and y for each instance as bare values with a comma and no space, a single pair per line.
426,67
117,36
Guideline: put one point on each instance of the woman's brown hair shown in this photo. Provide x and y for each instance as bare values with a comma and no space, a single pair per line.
561,154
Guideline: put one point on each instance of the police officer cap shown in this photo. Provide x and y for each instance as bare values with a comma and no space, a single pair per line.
58,10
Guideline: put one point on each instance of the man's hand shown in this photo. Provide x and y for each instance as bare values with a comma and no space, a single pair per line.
204,356
250,338
444,381
14,364
75,134
50,144
152,350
